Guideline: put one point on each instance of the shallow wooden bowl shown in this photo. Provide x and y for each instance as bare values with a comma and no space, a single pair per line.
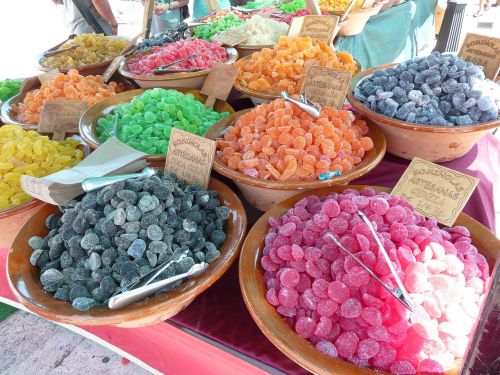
263,194
246,50
192,80
88,121
429,142
9,116
24,278
276,329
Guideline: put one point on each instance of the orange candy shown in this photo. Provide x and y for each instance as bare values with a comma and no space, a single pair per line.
280,151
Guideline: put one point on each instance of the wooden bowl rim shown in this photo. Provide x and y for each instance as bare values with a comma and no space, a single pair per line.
388,121
19,208
378,154
156,305
232,57
266,317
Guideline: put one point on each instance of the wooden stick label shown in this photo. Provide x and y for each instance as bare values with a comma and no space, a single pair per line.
61,116
219,82
435,191
112,68
318,27
482,50
190,157
326,86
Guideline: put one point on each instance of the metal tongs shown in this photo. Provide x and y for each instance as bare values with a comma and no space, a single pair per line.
166,68
304,104
58,51
400,292
143,288
94,183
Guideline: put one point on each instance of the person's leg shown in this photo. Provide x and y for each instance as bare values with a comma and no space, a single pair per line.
480,12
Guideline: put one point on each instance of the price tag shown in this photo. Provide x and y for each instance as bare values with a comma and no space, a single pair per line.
435,191
232,37
326,86
190,157
318,27
219,83
112,68
61,116
482,50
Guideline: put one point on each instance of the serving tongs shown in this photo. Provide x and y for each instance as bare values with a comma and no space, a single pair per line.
167,67
143,287
304,104
58,51
94,183
400,292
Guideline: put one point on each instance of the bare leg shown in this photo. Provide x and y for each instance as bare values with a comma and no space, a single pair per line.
480,12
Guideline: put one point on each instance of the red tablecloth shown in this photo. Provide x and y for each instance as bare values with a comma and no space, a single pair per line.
220,314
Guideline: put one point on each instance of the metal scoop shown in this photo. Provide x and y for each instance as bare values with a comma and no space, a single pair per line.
94,183
166,68
304,104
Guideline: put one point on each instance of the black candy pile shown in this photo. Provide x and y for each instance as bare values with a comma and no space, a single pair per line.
435,90
113,236
168,36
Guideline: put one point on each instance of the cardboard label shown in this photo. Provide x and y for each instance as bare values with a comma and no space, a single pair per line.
219,82
482,50
112,68
318,27
326,86
61,116
190,157
232,37
435,191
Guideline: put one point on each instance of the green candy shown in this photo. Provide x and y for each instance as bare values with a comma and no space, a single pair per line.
9,88
147,121
293,6
207,32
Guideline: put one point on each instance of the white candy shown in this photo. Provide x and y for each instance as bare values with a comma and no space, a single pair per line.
436,266
455,313
428,330
459,345
470,308
431,307
438,250
419,315
477,284
425,255
416,278
264,31
435,346
455,266
442,283
445,359
441,300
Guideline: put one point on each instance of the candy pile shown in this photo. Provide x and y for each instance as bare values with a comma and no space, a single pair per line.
215,15
293,6
93,49
70,86
9,88
338,6
264,31
333,302
435,90
207,32
168,36
147,121
277,141
284,66
287,18
206,54
254,5
29,153
121,232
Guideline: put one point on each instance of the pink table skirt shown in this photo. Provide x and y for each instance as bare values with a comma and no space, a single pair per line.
220,313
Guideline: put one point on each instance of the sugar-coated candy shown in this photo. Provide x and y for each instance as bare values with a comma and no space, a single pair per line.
263,30
9,88
207,32
167,36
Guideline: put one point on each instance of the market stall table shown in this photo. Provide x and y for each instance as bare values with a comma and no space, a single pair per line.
216,333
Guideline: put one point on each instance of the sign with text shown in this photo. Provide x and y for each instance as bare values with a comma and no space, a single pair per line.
219,82
318,27
435,191
190,157
61,116
482,50
326,86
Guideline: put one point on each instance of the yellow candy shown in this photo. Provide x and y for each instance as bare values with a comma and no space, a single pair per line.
29,153
333,6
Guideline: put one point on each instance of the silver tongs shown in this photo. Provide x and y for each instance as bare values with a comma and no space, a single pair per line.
94,183
58,51
304,104
167,67
400,292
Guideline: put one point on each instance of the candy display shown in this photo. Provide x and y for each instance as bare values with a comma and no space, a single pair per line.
338,6
255,5
92,49
277,141
204,55
207,32
435,90
27,152
215,15
146,122
287,18
329,299
113,236
70,86
264,31
293,6
168,36
9,88
283,67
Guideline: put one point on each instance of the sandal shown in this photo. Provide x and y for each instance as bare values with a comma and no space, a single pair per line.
478,14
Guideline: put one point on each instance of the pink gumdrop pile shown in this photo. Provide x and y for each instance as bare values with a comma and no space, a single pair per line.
334,303
207,53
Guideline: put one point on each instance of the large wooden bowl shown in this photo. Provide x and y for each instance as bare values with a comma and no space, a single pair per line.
275,327
248,49
407,140
263,194
9,116
24,278
88,121
192,80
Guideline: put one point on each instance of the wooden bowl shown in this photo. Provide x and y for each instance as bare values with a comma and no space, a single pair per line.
8,115
263,194
24,278
246,50
192,80
88,121
276,329
429,142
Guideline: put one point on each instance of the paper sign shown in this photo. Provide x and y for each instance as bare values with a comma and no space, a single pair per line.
190,157
435,191
326,86
482,50
219,82
318,27
61,116
232,37
111,69
367,4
